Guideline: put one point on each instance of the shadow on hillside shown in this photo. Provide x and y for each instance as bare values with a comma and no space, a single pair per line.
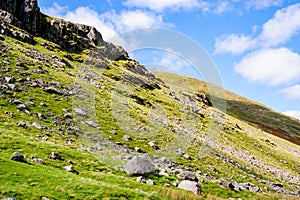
266,119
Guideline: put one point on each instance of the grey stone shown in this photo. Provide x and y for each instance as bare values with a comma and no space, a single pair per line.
93,124
149,182
139,166
187,175
55,156
9,79
37,125
127,138
37,160
21,107
52,90
140,179
22,124
18,157
81,112
190,186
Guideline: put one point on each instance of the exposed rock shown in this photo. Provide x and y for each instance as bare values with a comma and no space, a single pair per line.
18,157
127,138
139,150
93,124
55,156
37,160
187,175
140,179
68,116
22,124
37,125
81,112
226,184
190,186
140,166
22,107
149,182
26,11
186,156
153,145
163,173
71,169
52,90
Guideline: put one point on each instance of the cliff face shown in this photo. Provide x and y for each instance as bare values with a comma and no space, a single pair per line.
26,15
26,11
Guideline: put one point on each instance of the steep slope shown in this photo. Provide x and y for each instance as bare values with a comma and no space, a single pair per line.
65,90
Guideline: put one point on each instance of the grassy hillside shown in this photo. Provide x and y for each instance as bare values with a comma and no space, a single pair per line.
55,100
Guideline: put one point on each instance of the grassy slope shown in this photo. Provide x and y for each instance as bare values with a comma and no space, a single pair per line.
97,180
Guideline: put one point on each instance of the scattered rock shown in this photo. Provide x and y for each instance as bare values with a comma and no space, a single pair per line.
153,145
140,166
22,124
71,169
68,116
167,185
190,186
186,156
93,124
18,157
226,184
163,173
139,150
149,182
37,125
9,79
52,90
21,107
127,138
81,112
140,179
37,160
187,175
55,156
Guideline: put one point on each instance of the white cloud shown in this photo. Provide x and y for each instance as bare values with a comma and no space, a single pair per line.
160,5
293,113
130,20
278,30
109,23
55,10
222,7
88,16
233,43
261,4
271,66
282,27
292,92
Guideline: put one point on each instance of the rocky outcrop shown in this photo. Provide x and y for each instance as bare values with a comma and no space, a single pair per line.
26,11
26,15
70,35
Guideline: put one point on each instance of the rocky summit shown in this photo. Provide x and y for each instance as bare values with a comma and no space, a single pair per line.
80,119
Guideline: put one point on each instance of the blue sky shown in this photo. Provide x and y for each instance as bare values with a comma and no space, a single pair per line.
255,44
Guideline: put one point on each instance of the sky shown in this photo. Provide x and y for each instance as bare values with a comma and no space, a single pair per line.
255,44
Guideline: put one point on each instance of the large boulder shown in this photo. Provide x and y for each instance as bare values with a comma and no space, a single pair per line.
18,157
190,186
140,166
